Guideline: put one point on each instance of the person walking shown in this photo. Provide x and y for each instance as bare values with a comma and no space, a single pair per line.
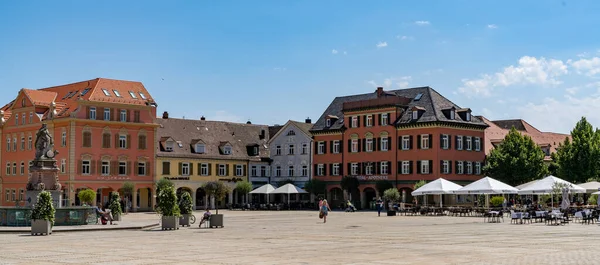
379,206
325,210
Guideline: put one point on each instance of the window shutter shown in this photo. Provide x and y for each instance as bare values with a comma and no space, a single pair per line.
464,140
198,166
449,167
128,141
227,170
349,168
191,171
456,166
449,142
129,168
456,141
377,142
442,166
180,168
243,170
472,143
365,120
410,142
316,147
315,169
349,145
341,147
127,118
209,169
430,166
430,141
377,168
331,169
116,140
389,118
418,166
99,166
389,144
79,166
92,167
399,167
114,168
349,122
441,141
364,142
331,147
357,121
359,145
148,168
419,141
399,142
378,119
341,169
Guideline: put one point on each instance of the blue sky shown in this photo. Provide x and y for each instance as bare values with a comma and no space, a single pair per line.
270,61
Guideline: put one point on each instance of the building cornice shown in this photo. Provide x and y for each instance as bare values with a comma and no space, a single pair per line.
418,125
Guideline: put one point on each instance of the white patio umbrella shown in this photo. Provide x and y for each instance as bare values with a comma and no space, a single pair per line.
437,187
565,202
487,185
590,186
288,189
546,186
264,189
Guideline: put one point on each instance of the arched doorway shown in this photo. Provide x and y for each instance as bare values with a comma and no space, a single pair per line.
336,197
200,198
370,195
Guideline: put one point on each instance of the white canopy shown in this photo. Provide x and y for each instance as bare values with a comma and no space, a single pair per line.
545,186
522,186
487,185
264,189
438,186
288,189
590,186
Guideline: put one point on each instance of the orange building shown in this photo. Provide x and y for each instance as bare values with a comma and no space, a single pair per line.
401,136
103,130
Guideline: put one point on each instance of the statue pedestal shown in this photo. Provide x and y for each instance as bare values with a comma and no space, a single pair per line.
43,176
32,195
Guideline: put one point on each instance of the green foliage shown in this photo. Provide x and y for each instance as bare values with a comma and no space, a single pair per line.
419,184
517,160
382,185
186,204
167,201
114,203
316,186
285,181
497,201
593,200
391,195
350,184
216,189
243,187
43,209
87,196
545,198
162,184
127,188
578,161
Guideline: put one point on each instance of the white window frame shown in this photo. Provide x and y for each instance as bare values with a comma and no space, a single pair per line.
336,147
477,144
384,144
369,169
304,148
23,142
320,170
86,167
122,164
227,150
222,169
425,141
354,121
278,150
405,167
460,168
239,170
185,169
123,141
445,141
22,168
469,168
424,167
253,171
24,118
415,114
384,119
14,169
204,169
200,148
321,148
30,117
106,93
354,169
8,144
468,116
123,115
291,150
369,120
117,93
336,169
305,171
169,146
92,113
63,139
405,142
105,168
354,145
477,168
278,171
132,95
468,142
459,142
63,166
107,114
141,166
446,167
383,168
452,114
291,171
29,143
142,95
7,168
328,123
369,144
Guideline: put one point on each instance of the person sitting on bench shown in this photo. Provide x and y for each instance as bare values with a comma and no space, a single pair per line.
104,215
205,217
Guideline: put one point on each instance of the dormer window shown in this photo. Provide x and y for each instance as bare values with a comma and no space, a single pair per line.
142,95
117,93
255,149
227,150
452,114
200,148
132,94
328,123
468,116
105,91
415,114
169,146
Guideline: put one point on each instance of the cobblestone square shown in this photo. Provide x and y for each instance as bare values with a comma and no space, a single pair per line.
301,238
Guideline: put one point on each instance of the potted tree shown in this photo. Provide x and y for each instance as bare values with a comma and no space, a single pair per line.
114,204
167,206
185,206
217,190
160,185
42,215
127,190
87,196
244,187
391,195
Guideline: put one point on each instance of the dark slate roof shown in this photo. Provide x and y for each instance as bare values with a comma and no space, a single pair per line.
274,129
214,134
431,101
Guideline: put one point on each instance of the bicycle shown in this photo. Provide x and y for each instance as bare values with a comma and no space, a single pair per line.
192,219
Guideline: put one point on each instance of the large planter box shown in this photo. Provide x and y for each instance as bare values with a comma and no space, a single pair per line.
391,213
116,217
41,227
170,222
216,220
184,220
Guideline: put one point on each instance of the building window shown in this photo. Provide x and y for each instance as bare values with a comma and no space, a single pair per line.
239,170
141,168
291,133
384,144
253,171
8,168
468,116
17,119
384,168
7,195
117,93
290,171
468,142
136,116
321,148
63,139
185,169
92,113
336,147
222,170
405,167
446,167
85,167
107,114
291,148
204,169
369,120
132,95
415,114
22,142
8,144
227,150
200,148
22,169
14,195
87,139
320,170
328,123
105,170
424,166
63,166
459,167
278,150
459,142
23,118
304,148
30,117
405,142
478,144
384,119
105,92
169,146
278,171
369,146
14,171
336,170
469,168
15,144
369,168
445,141
142,95
106,140
424,141
354,123
21,194
122,168
122,141
29,143
142,142
477,168
305,171
166,168
354,145
354,169
123,115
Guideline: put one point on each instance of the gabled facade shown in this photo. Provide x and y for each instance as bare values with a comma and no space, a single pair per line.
401,136
291,154
193,152
102,128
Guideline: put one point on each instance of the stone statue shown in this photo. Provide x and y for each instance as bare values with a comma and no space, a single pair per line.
44,144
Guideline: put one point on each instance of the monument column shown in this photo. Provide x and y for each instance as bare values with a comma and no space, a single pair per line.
134,200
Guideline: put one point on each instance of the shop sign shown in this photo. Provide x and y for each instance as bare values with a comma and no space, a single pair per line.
372,177
113,178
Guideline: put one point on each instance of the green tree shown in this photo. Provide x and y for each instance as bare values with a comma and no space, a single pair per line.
87,196
518,159
578,160
391,195
43,208
127,188
350,184
419,184
244,187
217,190
382,185
186,204
162,184
114,203
167,201
316,187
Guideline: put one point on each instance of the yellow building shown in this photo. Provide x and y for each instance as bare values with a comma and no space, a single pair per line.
193,152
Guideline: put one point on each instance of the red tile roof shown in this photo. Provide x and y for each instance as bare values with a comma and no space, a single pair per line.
39,97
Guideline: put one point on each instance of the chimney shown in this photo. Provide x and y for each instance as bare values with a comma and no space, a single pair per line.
307,120
248,122
165,115
202,118
379,91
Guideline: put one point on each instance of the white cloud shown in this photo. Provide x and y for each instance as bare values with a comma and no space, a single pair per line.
492,26
530,70
561,115
400,82
334,51
222,115
382,44
572,90
422,23
583,55
588,67
405,37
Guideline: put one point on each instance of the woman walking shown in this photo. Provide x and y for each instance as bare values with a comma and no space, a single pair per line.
325,210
